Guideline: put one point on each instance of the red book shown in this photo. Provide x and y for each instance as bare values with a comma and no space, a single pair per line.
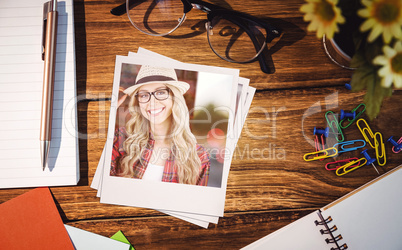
32,221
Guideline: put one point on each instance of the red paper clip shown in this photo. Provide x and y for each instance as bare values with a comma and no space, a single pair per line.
340,161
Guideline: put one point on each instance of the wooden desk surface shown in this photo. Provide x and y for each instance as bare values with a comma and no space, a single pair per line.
269,184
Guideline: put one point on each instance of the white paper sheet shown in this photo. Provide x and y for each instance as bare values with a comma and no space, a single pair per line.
82,240
21,80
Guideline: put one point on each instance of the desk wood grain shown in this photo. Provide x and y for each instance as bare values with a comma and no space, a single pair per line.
269,184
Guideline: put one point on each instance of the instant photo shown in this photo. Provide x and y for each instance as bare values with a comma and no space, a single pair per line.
207,99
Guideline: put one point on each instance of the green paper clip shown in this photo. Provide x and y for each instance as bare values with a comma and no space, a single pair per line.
351,121
333,124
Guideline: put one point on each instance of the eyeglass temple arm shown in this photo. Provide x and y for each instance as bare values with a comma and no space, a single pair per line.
272,33
121,9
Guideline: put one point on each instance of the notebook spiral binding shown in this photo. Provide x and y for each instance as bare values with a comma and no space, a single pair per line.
333,238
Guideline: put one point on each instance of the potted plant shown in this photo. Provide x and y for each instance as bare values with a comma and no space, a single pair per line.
368,36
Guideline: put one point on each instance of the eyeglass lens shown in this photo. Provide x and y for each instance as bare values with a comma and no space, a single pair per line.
232,42
160,94
156,17
235,40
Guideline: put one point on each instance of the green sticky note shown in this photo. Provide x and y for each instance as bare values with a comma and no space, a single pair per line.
119,236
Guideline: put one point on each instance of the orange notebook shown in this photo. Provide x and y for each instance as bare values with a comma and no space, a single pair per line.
32,221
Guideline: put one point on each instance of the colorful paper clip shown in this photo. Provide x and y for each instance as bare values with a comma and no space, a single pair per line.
333,124
397,146
342,145
326,153
320,145
359,110
366,129
380,149
327,166
350,166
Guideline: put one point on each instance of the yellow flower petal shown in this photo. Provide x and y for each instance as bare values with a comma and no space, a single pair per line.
363,13
368,24
388,51
375,32
380,60
398,81
387,35
386,81
367,3
320,32
398,46
396,30
384,71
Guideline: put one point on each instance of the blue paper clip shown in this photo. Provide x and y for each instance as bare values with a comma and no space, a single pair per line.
342,145
366,132
380,149
350,166
333,124
326,153
362,108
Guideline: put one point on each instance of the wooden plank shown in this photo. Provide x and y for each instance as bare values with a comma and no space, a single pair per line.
233,231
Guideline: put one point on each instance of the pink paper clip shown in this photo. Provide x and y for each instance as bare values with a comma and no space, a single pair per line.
340,161
393,148
319,145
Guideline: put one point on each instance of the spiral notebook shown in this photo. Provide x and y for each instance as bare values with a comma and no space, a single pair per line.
21,81
367,218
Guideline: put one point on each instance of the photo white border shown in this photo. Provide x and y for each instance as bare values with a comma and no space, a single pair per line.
167,196
245,99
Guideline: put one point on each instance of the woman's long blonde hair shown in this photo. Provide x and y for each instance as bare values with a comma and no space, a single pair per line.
183,142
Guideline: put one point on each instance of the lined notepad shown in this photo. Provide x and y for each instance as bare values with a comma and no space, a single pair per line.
21,80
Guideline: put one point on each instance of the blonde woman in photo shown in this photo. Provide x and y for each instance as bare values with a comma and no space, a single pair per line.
156,143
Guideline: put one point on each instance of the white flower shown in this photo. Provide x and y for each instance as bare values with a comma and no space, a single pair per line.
391,72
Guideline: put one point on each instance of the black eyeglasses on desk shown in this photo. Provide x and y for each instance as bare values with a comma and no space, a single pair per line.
233,36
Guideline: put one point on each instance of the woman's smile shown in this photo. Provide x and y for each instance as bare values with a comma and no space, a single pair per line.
155,112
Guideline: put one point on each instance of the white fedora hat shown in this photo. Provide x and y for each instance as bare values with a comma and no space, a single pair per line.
151,74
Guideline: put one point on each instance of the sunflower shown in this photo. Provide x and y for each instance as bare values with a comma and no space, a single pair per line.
382,16
391,72
324,16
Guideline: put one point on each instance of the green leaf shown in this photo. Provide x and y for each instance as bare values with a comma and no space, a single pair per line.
374,96
362,77
357,60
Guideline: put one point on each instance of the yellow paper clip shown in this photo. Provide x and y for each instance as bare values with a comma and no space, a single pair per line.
350,166
326,153
366,129
333,124
380,149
